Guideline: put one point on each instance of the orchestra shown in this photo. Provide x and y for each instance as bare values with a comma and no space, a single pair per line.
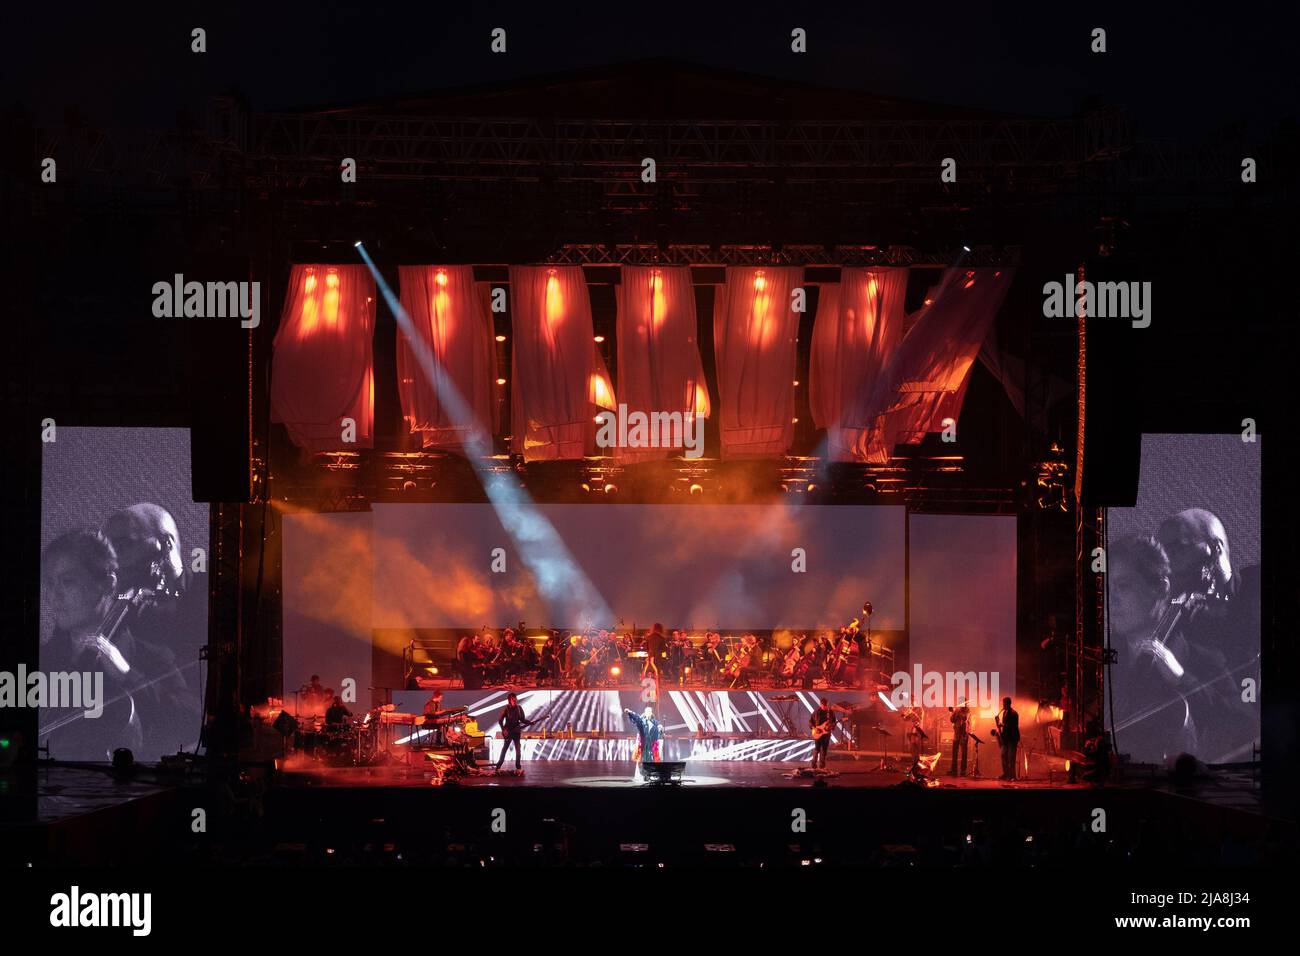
615,657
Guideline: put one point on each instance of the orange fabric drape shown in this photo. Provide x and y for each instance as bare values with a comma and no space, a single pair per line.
925,380
755,333
449,314
560,380
322,366
859,324
659,367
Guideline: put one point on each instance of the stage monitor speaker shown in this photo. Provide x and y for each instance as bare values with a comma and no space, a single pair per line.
663,771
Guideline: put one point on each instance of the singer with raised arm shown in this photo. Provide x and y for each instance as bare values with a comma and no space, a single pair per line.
649,744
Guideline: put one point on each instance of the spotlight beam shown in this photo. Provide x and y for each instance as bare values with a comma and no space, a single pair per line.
567,590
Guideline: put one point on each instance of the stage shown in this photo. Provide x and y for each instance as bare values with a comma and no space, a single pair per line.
862,773
591,812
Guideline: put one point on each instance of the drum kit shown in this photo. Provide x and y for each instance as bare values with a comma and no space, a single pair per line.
352,743
367,741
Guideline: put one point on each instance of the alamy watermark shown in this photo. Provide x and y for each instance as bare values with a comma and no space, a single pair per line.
75,909
208,300
979,689
1098,300
79,690
624,429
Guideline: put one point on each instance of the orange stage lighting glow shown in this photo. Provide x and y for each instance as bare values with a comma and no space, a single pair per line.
441,277
599,392
554,300
702,408
658,305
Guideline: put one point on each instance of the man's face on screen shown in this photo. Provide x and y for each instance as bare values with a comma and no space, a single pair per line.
1197,545
147,541
75,596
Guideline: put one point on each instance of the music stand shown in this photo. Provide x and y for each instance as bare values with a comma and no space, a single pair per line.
975,771
885,762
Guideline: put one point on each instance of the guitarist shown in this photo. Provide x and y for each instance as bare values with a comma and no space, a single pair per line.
822,722
513,723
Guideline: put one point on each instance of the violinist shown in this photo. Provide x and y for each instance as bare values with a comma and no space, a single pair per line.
142,691
1153,710
1215,609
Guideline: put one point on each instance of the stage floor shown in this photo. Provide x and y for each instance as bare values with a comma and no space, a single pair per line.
618,775
318,815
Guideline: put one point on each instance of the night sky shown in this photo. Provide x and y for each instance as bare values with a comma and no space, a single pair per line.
1182,73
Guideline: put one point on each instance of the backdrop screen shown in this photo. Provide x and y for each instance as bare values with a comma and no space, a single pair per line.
124,592
962,591
720,566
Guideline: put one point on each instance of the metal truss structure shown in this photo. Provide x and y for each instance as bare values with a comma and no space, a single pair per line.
834,256
266,149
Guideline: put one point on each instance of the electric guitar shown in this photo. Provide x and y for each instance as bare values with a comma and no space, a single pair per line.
821,730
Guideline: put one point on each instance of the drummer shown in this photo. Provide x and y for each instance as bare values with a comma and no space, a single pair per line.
337,715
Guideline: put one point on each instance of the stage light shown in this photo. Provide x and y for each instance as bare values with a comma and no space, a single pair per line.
796,383
966,248
697,489
501,338
615,671
760,282
544,551
611,489
441,277
357,244
600,339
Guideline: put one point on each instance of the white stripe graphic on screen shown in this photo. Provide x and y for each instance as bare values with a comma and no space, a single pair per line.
765,711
